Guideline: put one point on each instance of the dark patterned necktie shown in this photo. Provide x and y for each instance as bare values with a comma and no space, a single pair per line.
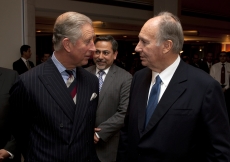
222,80
153,99
72,85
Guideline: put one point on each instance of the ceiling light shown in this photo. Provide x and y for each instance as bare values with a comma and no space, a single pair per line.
191,32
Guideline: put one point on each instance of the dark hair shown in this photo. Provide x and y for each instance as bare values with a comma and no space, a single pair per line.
228,54
24,48
108,38
45,52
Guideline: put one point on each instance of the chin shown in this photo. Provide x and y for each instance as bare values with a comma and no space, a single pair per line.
100,67
84,62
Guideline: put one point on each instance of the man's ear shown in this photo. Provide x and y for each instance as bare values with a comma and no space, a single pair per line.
115,55
167,46
66,44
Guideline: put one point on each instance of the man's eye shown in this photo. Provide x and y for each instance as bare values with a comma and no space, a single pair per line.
106,52
144,42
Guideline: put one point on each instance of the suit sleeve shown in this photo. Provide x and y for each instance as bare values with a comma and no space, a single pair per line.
19,104
112,125
123,141
216,123
212,72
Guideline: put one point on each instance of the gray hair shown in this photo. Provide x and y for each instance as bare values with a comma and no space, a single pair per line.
169,28
68,25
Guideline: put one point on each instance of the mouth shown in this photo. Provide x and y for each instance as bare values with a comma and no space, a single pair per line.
100,63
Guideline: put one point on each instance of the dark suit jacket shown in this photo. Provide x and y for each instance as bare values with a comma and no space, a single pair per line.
7,79
21,67
204,66
189,124
111,110
50,127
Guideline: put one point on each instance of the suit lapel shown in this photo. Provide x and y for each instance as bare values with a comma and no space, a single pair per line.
54,83
175,89
23,65
83,97
107,82
143,91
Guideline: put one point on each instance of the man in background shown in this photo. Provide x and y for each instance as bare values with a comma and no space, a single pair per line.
44,58
23,64
54,104
195,61
207,63
221,71
176,112
8,151
113,99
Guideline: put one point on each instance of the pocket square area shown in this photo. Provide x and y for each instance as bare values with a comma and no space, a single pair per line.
94,95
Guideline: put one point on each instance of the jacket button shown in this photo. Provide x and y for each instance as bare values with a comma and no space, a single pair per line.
61,125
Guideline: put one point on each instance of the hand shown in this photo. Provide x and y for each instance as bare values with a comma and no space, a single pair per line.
96,139
4,155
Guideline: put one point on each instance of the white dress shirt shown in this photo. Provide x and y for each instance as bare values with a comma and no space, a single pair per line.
24,60
215,72
165,76
103,76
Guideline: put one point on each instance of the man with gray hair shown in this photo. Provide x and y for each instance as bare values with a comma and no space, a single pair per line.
55,103
176,112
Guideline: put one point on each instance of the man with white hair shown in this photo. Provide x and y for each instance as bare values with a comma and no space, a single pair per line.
176,112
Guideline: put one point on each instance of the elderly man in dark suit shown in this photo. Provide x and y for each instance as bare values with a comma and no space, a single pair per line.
7,146
176,112
55,103
113,98
23,64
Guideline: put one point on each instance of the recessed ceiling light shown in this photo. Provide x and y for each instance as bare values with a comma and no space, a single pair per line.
38,31
124,36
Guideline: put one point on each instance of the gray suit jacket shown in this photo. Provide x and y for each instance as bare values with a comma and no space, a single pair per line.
112,105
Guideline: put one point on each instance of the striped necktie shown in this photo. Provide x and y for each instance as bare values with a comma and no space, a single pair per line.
72,85
101,73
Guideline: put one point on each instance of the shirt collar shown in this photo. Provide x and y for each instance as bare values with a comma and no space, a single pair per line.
60,67
23,59
105,70
167,74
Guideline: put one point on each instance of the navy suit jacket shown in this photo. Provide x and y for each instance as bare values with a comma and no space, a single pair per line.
189,124
21,67
49,126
